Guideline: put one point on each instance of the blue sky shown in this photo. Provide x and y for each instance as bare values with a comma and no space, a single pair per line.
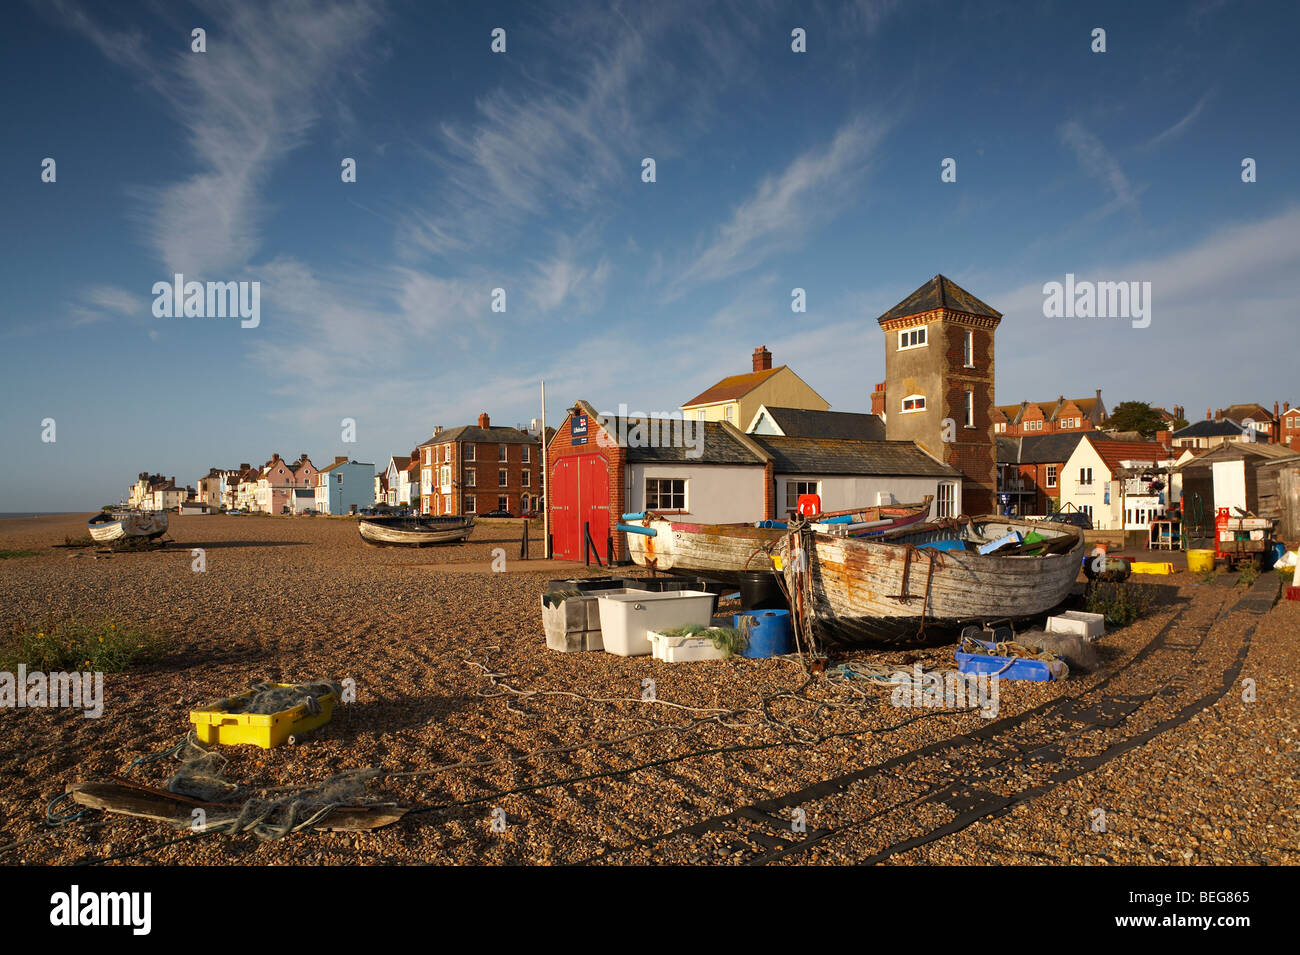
522,170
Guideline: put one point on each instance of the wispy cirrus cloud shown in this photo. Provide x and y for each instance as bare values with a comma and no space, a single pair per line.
1178,128
244,105
786,206
1098,163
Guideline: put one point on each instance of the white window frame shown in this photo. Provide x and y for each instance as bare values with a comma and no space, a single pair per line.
970,408
471,477
526,478
1051,475
909,338
1085,477
945,499
968,349
793,489
469,504
903,409
503,502
524,450
672,494
469,452
503,477
503,455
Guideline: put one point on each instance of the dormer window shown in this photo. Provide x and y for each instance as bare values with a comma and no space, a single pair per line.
914,403
911,338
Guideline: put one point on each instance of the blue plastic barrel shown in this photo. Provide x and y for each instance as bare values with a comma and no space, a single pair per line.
1278,552
770,636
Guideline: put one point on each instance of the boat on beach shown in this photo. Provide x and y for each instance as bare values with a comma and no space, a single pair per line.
723,552
854,591
108,526
414,531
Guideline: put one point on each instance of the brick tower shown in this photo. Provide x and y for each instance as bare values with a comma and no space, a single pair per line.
939,383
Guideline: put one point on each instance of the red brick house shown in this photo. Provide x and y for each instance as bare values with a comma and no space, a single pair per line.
1289,423
1049,417
1264,427
479,469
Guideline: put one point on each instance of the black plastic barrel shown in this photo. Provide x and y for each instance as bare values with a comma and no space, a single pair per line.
759,590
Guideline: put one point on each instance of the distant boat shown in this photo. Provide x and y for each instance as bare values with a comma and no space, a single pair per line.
109,526
884,590
722,552
414,531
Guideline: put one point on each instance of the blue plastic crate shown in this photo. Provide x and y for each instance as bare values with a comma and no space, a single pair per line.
1021,669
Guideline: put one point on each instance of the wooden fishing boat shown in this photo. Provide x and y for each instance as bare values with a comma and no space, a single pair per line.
108,526
723,552
856,591
414,531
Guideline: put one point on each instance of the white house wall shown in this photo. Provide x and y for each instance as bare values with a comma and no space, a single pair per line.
715,494
840,492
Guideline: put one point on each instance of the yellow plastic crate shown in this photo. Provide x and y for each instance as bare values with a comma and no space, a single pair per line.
1152,567
215,725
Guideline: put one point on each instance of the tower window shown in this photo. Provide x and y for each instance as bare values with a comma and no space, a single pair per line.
911,338
968,349
914,403
970,408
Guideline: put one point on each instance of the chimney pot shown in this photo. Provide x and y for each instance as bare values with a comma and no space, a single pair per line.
484,421
762,358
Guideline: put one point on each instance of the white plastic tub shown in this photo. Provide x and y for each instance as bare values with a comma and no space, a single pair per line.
684,649
1090,626
627,619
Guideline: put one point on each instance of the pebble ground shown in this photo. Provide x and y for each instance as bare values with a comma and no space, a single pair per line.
471,717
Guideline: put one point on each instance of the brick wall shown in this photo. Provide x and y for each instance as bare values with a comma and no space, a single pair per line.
973,452
562,446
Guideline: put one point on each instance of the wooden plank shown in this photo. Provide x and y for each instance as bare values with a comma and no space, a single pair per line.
144,802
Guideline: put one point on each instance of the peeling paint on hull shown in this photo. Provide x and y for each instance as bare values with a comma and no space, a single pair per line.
856,584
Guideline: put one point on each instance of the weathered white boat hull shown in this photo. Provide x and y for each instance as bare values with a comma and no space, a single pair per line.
859,595
413,533
723,552
128,525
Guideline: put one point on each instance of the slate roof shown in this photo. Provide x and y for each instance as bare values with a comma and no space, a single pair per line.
1256,412
732,387
473,434
1209,429
720,446
802,423
842,456
1041,449
939,292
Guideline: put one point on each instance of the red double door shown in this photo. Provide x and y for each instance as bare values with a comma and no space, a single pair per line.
580,490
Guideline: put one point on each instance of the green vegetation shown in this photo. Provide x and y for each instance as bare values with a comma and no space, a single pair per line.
1249,574
8,554
67,645
1120,603
1134,416
728,639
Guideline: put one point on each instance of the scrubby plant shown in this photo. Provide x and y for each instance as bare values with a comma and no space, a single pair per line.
1120,603
58,645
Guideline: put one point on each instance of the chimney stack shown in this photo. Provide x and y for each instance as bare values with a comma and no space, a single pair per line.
1286,406
484,421
762,358
1208,416
878,400
340,459
1275,411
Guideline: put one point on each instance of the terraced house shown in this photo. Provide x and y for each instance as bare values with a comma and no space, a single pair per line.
476,469
1049,417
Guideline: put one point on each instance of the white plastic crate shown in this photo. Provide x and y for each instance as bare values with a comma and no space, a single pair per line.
1090,626
684,649
627,619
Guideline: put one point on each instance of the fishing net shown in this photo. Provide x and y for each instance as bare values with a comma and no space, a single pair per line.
200,775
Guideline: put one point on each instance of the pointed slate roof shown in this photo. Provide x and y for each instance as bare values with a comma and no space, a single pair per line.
939,292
